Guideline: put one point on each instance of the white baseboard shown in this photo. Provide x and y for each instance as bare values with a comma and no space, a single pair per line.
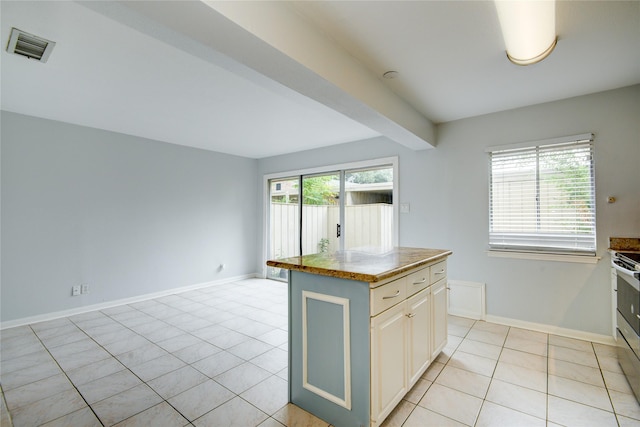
114,303
555,330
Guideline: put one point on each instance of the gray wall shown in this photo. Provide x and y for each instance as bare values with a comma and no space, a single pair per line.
126,215
447,189
131,216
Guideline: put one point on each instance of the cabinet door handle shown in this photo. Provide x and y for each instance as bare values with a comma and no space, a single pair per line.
410,315
439,272
392,296
424,279
638,316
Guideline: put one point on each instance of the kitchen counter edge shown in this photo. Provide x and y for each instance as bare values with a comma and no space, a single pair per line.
299,265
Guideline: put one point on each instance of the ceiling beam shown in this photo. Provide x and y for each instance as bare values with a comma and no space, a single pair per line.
364,97
268,39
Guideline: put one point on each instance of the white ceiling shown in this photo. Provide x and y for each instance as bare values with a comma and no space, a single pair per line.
451,58
258,79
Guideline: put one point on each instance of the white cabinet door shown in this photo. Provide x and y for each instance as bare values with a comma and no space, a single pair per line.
419,337
388,361
439,324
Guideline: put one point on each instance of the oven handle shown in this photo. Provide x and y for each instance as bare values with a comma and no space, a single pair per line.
623,270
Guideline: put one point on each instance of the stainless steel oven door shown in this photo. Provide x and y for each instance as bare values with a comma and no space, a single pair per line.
629,354
628,297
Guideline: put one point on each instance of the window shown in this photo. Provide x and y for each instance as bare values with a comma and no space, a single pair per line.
542,196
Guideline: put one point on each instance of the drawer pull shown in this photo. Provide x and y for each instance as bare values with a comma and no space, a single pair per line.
424,279
410,315
440,272
392,296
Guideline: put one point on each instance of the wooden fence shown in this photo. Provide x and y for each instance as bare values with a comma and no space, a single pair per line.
366,226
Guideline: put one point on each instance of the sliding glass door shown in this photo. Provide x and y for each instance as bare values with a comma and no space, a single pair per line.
320,213
368,216
284,222
348,209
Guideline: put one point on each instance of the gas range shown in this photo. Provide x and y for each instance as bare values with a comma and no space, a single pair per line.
627,260
626,266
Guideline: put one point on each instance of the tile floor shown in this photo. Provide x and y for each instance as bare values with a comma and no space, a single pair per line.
218,356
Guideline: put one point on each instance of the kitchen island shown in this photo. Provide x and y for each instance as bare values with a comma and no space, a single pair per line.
363,328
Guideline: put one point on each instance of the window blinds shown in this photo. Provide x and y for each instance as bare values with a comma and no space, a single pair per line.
542,196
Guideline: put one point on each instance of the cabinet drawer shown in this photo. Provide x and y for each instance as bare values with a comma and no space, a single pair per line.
438,271
387,296
417,281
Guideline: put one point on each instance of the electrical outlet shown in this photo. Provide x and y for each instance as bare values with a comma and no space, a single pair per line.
75,291
85,288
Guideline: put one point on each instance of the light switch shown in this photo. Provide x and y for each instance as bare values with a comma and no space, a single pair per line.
405,207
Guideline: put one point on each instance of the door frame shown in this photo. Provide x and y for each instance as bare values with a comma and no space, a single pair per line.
392,161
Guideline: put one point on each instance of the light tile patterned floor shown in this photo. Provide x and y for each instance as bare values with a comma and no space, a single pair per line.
493,375
218,356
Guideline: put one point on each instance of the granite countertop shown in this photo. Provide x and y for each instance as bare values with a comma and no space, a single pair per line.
624,244
360,265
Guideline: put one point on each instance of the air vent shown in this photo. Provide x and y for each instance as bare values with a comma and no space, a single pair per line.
28,45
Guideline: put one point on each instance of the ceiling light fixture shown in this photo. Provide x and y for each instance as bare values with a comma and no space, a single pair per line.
528,28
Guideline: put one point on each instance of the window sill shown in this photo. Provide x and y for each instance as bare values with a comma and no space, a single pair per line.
583,259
